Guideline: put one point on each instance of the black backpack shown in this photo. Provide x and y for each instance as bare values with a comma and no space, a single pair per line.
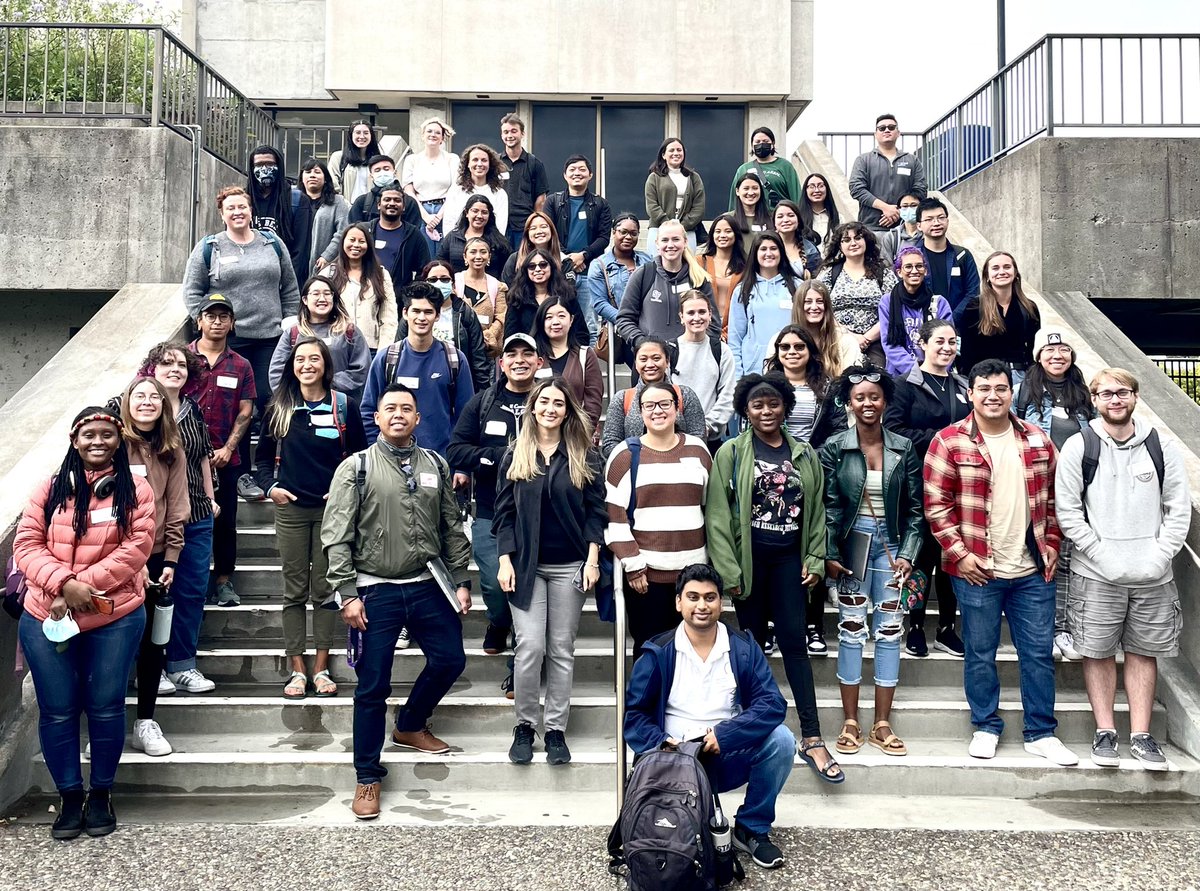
661,840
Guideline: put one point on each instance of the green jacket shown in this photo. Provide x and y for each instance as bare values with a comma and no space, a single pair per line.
727,510
393,533
846,476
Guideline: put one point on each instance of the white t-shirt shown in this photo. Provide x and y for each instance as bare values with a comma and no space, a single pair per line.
703,692
430,178
681,186
1009,518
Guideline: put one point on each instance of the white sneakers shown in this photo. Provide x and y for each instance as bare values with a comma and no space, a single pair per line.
1052,749
165,687
190,681
148,737
983,744
1064,644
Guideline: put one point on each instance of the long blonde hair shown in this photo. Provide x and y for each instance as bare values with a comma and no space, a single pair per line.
827,336
526,464
991,322
697,274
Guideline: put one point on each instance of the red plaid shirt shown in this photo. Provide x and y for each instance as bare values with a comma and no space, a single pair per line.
229,382
958,491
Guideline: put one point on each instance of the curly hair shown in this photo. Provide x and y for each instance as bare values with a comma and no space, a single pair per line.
772,379
844,384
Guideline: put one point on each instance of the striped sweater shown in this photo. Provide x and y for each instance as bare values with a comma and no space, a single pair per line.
668,516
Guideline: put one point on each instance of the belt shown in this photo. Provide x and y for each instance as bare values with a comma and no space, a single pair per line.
432,201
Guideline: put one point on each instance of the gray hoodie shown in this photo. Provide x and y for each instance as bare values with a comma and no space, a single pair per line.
1132,531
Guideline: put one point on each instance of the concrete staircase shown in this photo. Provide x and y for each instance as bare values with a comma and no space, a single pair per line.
244,747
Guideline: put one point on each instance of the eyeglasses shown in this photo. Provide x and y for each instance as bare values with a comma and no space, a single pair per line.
940,218
155,398
1002,390
873,378
1108,395
663,405
913,267
847,239
541,265
1061,350
887,128
438,278
792,348
625,233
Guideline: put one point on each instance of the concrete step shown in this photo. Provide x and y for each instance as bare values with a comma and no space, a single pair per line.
315,763
930,712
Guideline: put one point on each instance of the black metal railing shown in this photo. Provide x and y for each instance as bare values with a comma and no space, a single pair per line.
1184,370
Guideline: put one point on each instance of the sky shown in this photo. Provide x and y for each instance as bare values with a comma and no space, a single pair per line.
950,46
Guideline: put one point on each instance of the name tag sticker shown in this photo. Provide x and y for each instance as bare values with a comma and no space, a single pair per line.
961,397
413,383
321,420
228,381
232,258
683,287
543,373
103,515
138,470
504,174
380,244
1036,441
485,320
955,272
1059,412
429,480
904,171
785,304
495,428
582,214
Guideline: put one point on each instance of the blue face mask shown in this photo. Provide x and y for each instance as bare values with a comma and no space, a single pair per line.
60,630
447,288
908,214
383,178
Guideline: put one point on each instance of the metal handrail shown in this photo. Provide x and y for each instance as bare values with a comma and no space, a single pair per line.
619,607
1065,80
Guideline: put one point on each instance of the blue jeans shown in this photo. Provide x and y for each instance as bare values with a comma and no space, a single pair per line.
432,207
515,237
88,677
189,590
424,609
483,544
886,624
763,771
1028,603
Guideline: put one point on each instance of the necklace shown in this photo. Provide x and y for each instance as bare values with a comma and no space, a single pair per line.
941,385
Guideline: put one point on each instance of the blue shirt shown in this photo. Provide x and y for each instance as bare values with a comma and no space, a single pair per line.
577,234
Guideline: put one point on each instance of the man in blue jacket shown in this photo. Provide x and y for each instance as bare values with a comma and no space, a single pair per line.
951,267
705,680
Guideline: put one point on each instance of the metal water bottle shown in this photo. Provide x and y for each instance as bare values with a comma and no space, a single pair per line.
164,612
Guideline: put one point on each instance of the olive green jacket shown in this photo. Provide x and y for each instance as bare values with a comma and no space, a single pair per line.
727,511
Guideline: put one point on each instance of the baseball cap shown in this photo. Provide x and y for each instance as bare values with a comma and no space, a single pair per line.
216,300
520,338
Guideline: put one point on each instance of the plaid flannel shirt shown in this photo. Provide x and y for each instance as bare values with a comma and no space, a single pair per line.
219,404
958,492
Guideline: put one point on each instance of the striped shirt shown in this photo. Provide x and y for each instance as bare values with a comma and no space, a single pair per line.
668,515
197,446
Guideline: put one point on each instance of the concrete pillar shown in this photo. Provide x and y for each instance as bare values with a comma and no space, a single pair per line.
421,110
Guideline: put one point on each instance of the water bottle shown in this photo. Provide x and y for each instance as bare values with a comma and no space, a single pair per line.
722,839
164,611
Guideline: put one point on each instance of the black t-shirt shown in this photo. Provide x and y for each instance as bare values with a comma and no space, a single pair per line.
777,497
1062,425
554,545
939,276
302,226
559,365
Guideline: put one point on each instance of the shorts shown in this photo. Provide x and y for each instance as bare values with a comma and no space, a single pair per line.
1101,616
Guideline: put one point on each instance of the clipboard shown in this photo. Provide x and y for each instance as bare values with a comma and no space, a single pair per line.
441,574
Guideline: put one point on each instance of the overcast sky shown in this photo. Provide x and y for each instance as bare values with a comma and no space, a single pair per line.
948,48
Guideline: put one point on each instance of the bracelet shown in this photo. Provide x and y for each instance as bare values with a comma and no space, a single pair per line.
593,565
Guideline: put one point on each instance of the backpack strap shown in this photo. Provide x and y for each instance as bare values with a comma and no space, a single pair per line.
1154,447
714,344
273,241
440,462
627,396
340,407
391,361
210,244
452,361
360,476
634,444
293,335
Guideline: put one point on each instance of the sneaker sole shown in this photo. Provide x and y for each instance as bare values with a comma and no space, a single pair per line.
1156,766
744,848
1106,760
366,817
144,751
818,653
912,652
66,834
516,760
945,649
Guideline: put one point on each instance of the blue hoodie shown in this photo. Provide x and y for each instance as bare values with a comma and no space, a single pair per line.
752,327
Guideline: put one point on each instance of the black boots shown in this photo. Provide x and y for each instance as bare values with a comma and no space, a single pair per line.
70,815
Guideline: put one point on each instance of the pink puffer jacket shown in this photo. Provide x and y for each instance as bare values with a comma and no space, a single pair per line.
50,556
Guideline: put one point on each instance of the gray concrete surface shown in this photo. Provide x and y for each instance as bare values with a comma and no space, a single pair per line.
504,859
1110,217
34,325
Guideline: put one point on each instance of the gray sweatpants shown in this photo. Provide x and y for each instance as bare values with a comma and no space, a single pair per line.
546,631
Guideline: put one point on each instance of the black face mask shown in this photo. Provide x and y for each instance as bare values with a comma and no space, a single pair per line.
763,150
266,174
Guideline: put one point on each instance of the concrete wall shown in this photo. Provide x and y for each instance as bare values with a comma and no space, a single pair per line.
1108,217
91,208
34,325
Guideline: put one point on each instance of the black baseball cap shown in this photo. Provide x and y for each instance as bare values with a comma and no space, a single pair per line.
216,300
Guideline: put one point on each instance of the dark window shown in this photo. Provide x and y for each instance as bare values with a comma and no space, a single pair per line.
630,134
716,145
478,122
558,131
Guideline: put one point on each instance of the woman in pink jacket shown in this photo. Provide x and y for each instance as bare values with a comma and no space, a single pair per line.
82,543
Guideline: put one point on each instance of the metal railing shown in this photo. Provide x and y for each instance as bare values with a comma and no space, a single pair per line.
1064,81
619,606
1184,370
137,72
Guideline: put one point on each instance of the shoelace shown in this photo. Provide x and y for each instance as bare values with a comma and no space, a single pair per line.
151,730
367,792
1147,744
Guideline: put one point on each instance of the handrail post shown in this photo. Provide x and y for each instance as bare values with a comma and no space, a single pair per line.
619,664
612,360
156,78
1050,85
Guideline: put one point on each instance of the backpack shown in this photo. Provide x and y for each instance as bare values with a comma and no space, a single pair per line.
340,407
661,840
393,360
1091,460
210,243
14,589
294,335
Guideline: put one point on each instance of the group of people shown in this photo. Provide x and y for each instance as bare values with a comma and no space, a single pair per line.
759,451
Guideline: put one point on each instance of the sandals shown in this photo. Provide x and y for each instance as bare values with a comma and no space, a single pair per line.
837,776
889,744
324,684
848,743
297,686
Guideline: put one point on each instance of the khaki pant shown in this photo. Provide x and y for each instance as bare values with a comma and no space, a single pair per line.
298,537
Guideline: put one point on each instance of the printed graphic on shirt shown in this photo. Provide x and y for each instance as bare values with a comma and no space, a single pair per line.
777,497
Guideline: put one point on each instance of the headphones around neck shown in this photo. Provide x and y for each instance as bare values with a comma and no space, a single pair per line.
101,488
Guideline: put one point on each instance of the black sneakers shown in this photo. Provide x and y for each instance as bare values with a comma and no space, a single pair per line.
69,823
915,644
521,750
495,639
99,818
948,641
761,849
815,641
556,748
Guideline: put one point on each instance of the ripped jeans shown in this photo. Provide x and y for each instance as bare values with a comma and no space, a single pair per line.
887,616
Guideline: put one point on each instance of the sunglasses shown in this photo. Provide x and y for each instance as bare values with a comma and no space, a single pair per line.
873,378
887,128
542,265
438,278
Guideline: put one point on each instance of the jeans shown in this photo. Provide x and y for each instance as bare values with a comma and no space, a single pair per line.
763,771
424,609
189,590
224,535
483,544
930,561
432,207
545,633
515,237
90,677
887,616
257,351
774,596
1028,603
298,538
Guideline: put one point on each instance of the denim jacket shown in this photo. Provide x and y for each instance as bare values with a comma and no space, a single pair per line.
618,277
1042,415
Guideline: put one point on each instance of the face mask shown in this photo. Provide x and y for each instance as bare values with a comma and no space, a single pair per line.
447,288
265,175
59,630
383,179
908,214
762,150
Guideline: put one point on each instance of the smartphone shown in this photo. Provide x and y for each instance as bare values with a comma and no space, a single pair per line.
103,605
577,582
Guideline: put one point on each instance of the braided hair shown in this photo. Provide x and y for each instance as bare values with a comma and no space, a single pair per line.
64,484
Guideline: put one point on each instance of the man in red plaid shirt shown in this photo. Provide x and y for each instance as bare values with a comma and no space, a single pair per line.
989,499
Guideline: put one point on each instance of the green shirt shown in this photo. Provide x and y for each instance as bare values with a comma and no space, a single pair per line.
779,176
